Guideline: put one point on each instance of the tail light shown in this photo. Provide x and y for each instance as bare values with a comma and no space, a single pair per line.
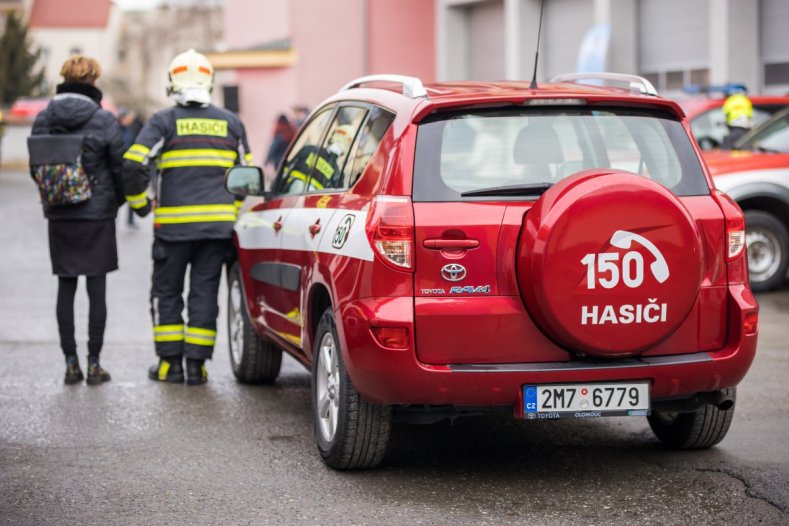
735,226
391,337
390,229
735,238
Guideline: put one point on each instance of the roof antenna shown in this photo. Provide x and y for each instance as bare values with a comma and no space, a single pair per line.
533,84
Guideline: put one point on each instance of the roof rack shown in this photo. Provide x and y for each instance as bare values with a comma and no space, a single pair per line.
412,86
637,84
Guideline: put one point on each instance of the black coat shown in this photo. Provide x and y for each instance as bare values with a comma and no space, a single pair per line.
75,110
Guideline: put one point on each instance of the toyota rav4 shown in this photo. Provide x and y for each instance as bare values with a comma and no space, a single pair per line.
558,250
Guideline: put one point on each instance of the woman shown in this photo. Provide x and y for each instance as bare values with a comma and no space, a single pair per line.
82,236
283,134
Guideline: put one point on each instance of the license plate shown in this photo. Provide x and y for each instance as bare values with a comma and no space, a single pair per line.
585,400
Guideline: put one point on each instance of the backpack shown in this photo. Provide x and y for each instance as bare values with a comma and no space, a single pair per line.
56,167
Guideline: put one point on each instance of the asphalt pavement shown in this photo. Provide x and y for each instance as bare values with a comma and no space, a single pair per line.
136,452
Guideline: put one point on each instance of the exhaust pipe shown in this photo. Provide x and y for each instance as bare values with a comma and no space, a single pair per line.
719,399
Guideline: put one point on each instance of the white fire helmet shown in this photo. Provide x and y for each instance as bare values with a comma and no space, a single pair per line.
341,139
191,78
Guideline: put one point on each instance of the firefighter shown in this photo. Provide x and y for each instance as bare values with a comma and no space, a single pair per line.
739,118
319,163
190,145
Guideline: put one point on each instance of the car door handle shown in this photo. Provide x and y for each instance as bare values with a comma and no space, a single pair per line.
441,244
315,227
277,224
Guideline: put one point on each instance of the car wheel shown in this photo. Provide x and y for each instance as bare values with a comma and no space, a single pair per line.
768,250
703,428
253,360
351,432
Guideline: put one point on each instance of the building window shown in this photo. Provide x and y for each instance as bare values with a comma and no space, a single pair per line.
673,81
776,73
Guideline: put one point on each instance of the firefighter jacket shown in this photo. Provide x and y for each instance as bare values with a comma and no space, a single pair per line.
190,148
313,168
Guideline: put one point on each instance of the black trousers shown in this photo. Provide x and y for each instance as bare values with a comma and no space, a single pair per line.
97,313
205,259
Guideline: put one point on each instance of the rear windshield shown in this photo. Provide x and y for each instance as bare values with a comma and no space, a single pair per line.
463,152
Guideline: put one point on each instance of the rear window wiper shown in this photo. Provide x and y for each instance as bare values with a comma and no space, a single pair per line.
513,189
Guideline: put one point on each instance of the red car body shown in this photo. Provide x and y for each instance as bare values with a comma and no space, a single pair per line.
525,268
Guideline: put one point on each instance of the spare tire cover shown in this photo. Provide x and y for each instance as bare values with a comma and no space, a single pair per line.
609,263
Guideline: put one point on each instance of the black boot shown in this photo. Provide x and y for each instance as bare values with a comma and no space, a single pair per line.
73,372
195,372
96,373
169,370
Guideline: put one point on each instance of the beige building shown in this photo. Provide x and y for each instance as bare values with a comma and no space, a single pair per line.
674,43
64,28
147,42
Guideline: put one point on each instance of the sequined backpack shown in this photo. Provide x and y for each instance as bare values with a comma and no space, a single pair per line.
56,167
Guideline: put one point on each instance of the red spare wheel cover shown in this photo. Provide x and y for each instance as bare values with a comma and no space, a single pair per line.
609,263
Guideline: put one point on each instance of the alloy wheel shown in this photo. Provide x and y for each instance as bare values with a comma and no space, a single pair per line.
328,387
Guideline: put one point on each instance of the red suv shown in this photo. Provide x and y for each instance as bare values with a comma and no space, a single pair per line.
434,250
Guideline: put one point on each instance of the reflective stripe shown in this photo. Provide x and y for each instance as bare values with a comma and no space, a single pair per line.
199,157
238,203
194,214
224,154
139,148
137,152
248,158
198,336
185,163
137,201
168,333
164,368
295,174
134,157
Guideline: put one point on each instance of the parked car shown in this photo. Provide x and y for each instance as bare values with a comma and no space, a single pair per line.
756,175
708,121
428,251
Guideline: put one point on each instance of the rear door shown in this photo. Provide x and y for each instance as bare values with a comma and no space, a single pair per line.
477,177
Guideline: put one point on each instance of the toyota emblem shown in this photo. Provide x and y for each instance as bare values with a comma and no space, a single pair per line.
453,272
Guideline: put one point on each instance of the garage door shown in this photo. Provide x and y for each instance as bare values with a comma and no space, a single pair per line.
775,41
673,35
486,41
565,24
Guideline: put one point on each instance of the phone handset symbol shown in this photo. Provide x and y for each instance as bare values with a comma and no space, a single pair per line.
659,268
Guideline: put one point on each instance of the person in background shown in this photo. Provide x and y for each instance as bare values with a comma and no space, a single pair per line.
191,144
283,134
82,236
300,114
739,118
130,127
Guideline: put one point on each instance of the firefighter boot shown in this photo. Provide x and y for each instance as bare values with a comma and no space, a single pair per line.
73,372
170,370
196,373
96,373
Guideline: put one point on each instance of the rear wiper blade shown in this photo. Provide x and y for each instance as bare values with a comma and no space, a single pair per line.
513,189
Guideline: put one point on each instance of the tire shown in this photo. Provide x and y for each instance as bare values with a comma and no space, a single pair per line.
768,250
700,429
253,360
351,432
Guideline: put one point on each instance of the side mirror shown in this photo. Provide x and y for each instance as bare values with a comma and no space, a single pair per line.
245,180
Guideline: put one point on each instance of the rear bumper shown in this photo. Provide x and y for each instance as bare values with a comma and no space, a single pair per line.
390,376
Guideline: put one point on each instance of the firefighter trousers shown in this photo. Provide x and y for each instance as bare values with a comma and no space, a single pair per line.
205,259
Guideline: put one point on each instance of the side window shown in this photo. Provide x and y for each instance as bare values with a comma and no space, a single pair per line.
333,154
369,138
296,169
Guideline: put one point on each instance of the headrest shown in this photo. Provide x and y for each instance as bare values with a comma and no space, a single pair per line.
537,143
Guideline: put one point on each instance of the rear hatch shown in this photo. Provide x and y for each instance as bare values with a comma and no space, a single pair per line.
557,232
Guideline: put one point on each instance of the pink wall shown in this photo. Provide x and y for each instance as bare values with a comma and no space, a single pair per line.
327,36
249,22
402,38
332,46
